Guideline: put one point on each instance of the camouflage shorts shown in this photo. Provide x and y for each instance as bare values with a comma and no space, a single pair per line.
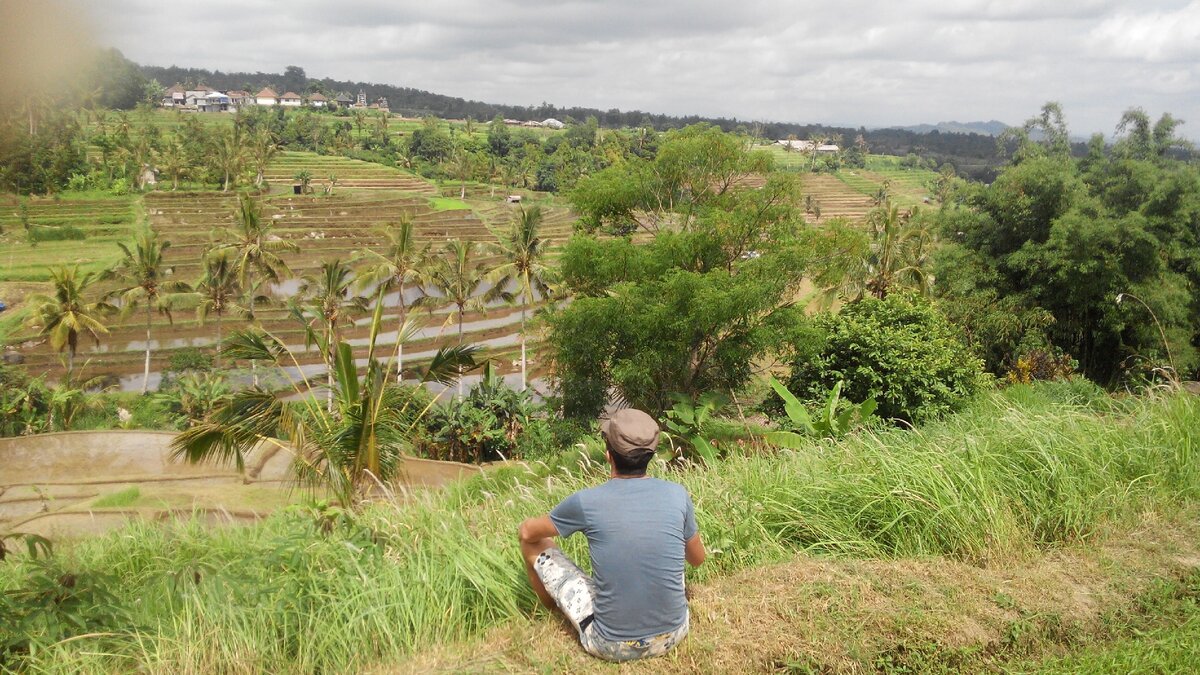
575,594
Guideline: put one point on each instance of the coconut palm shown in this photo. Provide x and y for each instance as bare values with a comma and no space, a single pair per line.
895,254
402,261
329,305
458,278
254,251
345,451
146,283
229,157
219,292
65,315
174,162
523,265
263,148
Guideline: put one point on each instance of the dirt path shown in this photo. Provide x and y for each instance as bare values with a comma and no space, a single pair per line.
823,615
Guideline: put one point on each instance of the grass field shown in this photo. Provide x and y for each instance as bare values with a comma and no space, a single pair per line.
1018,522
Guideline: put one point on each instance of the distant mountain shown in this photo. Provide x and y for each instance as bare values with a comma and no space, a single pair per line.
992,128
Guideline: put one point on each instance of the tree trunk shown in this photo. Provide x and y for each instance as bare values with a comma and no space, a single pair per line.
217,355
146,372
460,336
400,340
523,345
253,364
462,193
329,354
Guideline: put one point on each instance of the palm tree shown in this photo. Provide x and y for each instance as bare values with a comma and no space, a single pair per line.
346,451
329,306
229,157
65,314
457,278
145,277
894,254
402,261
219,291
263,149
255,251
174,162
523,254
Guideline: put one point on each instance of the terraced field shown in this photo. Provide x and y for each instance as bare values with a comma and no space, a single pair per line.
350,173
325,227
96,225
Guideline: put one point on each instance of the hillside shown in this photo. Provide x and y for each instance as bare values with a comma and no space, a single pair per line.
972,153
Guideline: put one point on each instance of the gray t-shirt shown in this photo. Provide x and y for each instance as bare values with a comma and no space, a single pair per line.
636,530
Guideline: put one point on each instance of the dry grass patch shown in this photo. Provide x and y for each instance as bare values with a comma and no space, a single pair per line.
830,615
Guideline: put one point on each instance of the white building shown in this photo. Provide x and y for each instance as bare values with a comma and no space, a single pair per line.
317,100
266,97
552,123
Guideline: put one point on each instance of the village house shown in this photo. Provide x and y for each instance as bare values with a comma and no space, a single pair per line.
175,96
291,99
344,100
240,99
192,94
266,97
213,102
317,100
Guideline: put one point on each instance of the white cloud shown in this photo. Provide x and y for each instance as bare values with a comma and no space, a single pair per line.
853,62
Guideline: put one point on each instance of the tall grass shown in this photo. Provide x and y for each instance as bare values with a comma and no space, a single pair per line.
313,589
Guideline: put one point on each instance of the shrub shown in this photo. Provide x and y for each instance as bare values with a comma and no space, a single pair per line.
901,351
492,422
56,233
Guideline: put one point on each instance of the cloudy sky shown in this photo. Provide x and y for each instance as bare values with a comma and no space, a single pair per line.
852,62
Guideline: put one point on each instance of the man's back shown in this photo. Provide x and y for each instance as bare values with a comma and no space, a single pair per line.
636,530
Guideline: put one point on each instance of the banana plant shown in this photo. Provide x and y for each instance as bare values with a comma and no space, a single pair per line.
693,424
830,422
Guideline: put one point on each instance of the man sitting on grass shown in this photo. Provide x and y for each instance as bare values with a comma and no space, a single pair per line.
640,530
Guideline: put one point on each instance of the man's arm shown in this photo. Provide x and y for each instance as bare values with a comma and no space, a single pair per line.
537,535
535,529
693,551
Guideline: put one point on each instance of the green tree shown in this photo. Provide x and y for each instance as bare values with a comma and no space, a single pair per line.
228,157
263,148
145,281
522,265
895,254
347,451
1048,236
254,250
65,314
219,292
498,137
402,261
694,308
458,278
329,306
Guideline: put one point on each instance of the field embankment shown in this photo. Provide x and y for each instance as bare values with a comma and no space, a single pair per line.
983,499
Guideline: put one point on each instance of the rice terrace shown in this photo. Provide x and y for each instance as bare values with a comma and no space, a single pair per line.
301,374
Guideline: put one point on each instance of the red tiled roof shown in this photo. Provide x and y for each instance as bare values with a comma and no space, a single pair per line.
267,92
290,94
317,97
